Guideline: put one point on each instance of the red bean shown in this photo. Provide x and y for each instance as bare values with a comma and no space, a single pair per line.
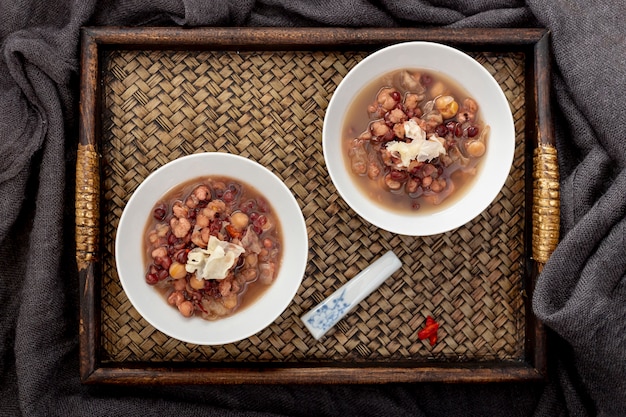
260,221
396,96
215,227
152,279
400,176
472,131
455,127
262,205
181,256
164,262
160,212
228,196
162,274
426,80
441,131
248,206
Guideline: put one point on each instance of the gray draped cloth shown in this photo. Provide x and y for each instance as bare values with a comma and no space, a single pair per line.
580,296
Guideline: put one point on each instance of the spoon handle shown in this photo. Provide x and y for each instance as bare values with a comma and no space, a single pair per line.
326,314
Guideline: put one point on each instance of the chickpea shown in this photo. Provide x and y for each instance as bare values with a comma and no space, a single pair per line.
186,308
177,270
447,106
239,220
196,284
475,148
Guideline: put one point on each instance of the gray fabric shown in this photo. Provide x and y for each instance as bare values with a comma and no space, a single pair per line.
581,294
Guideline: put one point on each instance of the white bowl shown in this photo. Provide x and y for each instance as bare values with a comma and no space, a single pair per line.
253,318
495,111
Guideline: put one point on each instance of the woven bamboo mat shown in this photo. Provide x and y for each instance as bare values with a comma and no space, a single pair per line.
269,106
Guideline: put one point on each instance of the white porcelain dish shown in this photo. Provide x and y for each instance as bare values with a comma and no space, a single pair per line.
251,319
495,111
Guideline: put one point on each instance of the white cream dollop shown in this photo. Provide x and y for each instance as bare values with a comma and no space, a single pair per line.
215,261
419,148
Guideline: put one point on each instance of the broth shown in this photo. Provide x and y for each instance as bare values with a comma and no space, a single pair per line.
378,151
212,246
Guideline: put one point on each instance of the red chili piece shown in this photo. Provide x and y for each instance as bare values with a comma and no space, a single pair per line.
430,331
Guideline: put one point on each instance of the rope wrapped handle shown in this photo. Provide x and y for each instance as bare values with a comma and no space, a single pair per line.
87,205
546,203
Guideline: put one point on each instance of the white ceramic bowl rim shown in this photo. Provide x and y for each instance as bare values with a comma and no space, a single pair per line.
253,318
495,110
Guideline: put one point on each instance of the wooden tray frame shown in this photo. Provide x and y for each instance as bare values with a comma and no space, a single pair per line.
542,210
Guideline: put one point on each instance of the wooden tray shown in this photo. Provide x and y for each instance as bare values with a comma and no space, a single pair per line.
151,95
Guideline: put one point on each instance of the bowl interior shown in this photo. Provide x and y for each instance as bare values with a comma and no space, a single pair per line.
493,169
254,317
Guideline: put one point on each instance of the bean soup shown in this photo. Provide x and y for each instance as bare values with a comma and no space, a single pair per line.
212,246
413,139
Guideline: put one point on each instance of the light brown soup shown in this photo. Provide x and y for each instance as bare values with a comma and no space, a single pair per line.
376,122
214,209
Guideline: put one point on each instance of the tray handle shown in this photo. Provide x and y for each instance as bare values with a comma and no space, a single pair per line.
87,205
546,203
546,206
